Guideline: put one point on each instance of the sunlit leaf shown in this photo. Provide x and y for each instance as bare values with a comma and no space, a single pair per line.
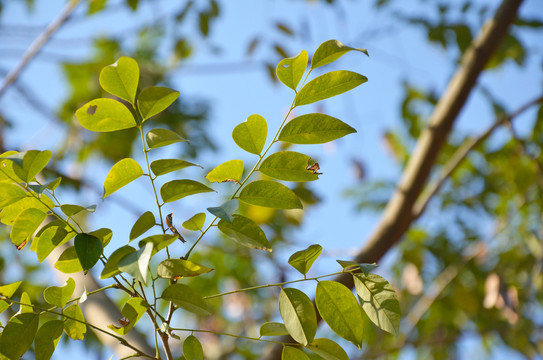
25,225
155,99
28,164
105,115
59,295
47,240
121,78
74,325
351,265
379,301
245,232
18,335
273,329
71,210
339,308
251,134
303,259
290,70
68,262
195,223
165,166
187,298
192,349
9,214
288,166
162,137
10,193
132,311
47,339
178,189
26,304
178,268
103,234
229,171
9,289
270,194
159,241
314,129
298,314
225,211
111,268
328,349
88,249
145,222
136,263
328,85
329,51
122,173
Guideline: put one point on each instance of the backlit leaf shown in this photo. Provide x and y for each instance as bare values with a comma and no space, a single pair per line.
273,329
145,222
121,78
47,339
178,268
132,311
379,301
328,349
18,335
104,234
328,85
229,171
28,164
251,134
288,166
49,237
161,137
245,232
159,241
303,259
10,193
195,223
192,349
339,308
136,263
111,268
292,353
71,210
298,313
74,325
88,249
122,173
68,262
9,289
187,298
9,214
155,99
25,225
314,129
329,51
351,265
290,70
26,304
178,189
105,115
225,211
59,295
165,166
270,194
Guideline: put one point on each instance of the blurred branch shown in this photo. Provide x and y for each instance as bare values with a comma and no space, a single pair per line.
35,47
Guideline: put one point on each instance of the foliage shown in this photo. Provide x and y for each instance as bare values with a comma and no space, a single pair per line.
28,200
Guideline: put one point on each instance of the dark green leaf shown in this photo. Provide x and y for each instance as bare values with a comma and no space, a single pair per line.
288,166
290,71
273,329
328,349
303,259
18,335
229,171
185,297
121,78
155,99
251,134
178,268
270,194
195,223
145,222
165,166
245,232
298,313
192,349
59,295
178,189
132,311
122,173
162,137
74,325
47,339
136,263
225,211
329,51
314,129
292,353
328,85
88,249
111,268
25,225
105,115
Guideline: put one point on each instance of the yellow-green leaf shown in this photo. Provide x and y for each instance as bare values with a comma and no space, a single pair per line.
132,311
71,210
145,222
9,214
329,51
18,335
121,78
88,249
10,193
273,329
47,339
121,174
303,259
288,166
49,238
328,85
105,115
59,295
9,289
165,166
298,314
290,70
111,268
178,268
25,225
178,189
192,349
26,304
74,325
155,99
314,129
328,349
270,194
195,223
26,165
292,353
161,137
68,262
159,241
228,171
187,298
136,263
245,232
251,134
104,234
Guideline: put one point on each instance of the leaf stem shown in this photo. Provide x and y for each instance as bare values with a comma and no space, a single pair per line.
234,335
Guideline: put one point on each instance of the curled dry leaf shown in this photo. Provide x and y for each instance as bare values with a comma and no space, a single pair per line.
315,167
169,222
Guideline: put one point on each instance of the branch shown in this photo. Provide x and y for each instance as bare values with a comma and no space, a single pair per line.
35,47
396,217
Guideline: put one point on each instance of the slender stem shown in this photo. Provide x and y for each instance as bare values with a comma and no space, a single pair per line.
234,335
112,286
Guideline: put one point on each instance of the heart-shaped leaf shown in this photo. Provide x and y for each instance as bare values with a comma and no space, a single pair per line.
195,223
59,295
121,78
290,70
303,259
88,249
251,134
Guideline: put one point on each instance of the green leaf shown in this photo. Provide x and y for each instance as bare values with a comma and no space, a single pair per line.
121,78
298,313
245,232
303,259
339,308
290,70
192,349
195,223
49,238
9,290
105,115
10,193
132,311
178,189
178,268
71,210
165,166
229,171
103,234
59,295
136,263
292,353
47,339
8,174
162,137
314,129
51,185
68,262
74,325
273,329
328,349
352,265
18,335
155,99
288,166
26,304
145,222
379,301
88,249
9,214
159,241
270,194
111,268
28,164
25,225
185,297
122,173
328,85
329,51
225,211
251,134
